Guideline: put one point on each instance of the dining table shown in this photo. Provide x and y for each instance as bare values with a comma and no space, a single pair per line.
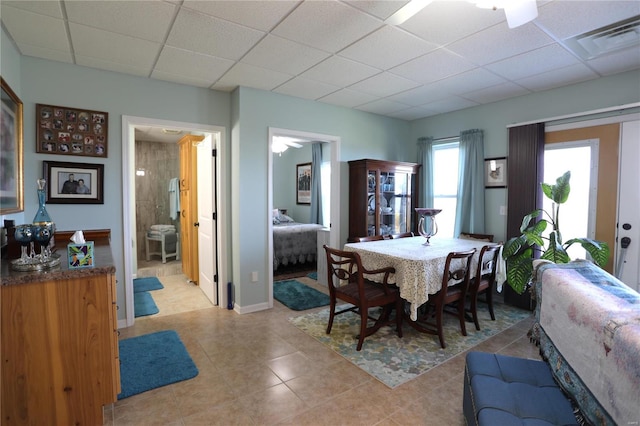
418,267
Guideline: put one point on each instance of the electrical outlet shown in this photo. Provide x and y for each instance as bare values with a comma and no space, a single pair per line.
503,210
254,276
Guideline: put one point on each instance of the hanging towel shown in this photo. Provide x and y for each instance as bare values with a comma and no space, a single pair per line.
174,199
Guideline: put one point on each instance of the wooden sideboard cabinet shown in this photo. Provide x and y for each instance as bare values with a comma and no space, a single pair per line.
382,197
59,348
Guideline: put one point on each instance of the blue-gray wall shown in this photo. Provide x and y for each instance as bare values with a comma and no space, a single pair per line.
247,114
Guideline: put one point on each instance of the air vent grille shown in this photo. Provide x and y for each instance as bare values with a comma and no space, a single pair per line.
612,38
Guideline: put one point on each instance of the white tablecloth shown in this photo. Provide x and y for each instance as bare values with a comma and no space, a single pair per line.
418,267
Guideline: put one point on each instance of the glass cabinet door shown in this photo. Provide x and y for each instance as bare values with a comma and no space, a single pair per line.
395,203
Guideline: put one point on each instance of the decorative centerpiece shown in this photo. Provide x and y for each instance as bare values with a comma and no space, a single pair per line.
427,226
41,232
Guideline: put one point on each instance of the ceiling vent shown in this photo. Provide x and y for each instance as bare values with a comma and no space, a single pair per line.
605,40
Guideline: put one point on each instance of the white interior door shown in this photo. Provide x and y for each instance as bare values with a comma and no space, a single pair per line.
627,261
206,211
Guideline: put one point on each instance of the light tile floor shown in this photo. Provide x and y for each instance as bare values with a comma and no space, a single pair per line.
258,369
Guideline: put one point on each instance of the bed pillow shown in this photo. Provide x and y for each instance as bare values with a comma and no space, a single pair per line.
285,219
275,216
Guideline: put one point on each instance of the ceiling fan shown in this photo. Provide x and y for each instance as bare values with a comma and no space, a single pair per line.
518,12
281,143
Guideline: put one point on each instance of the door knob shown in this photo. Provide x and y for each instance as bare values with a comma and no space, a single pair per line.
196,224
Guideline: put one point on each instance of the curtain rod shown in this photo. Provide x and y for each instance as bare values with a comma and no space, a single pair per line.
448,138
578,114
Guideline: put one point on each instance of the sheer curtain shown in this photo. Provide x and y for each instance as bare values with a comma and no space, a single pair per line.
425,159
470,206
316,186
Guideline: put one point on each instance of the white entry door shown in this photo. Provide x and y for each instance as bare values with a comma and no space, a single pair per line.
627,261
206,210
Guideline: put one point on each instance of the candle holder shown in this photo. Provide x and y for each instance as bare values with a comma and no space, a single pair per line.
427,226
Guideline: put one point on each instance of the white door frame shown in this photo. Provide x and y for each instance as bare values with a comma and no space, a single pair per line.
129,124
334,233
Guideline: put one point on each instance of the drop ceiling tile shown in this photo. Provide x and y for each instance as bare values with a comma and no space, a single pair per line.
181,79
500,42
191,65
39,52
557,78
215,37
112,47
453,103
261,15
565,19
626,60
379,8
101,64
49,8
309,22
34,29
384,84
249,76
387,48
496,93
304,88
283,55
433,66
413,113
421,95
347,98
440,22
148,20
339,71
476,79
382,107
531,63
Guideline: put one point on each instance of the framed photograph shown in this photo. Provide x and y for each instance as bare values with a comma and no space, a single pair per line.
74,183
11,159
303,183
71,131
495,172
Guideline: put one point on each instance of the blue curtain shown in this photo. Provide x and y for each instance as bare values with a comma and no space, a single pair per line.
470,205
316,187
425,159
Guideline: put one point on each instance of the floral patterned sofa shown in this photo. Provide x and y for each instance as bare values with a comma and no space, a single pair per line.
588,330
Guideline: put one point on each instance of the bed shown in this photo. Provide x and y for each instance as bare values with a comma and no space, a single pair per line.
293,242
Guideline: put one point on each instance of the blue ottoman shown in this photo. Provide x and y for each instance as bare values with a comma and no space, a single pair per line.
504,390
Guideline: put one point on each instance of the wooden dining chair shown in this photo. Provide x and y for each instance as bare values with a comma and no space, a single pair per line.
455,282
347,281
484,280
479,237
369,238
402,235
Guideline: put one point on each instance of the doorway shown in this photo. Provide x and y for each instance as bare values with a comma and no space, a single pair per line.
334,210
129,124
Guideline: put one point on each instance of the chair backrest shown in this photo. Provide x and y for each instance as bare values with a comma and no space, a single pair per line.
369,238
479,237
342,267
457,268
402,235
487,264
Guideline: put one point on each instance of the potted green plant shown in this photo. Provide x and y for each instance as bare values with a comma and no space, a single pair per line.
518,252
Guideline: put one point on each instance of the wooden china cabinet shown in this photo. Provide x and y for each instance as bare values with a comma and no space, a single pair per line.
382,197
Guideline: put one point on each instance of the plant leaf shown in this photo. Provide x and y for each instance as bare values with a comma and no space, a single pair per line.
527,219
519,270
598,250
513,246
562,188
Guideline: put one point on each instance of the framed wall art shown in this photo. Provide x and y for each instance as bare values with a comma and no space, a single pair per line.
71,131
11,152
74,183
495,172
303,183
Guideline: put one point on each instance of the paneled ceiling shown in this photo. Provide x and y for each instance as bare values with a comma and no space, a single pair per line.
450,56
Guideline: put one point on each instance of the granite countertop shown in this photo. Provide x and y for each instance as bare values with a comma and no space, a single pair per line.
103,264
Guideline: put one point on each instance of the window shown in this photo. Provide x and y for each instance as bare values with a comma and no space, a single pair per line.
445,186
578,214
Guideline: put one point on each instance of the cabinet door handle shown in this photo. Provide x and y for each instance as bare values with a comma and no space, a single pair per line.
184,213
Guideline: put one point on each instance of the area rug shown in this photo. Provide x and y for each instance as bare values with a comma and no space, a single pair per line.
153,360
394,360
146,284
298,296
143,304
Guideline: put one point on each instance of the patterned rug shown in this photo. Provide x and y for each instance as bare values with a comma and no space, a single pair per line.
394,360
